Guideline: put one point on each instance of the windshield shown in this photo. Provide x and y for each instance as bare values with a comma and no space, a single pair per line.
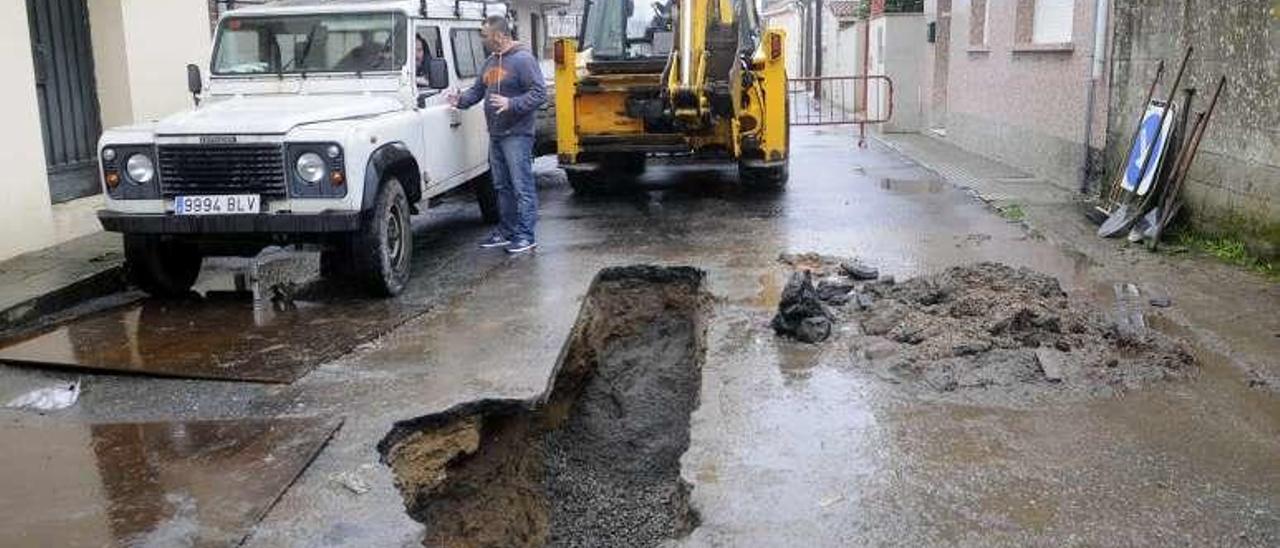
293,44
626,29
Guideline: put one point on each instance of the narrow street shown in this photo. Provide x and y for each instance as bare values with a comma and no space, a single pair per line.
791,444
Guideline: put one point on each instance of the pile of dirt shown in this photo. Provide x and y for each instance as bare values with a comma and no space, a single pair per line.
991,332
593,461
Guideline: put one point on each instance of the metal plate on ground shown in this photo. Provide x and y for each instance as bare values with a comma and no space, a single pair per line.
204,483
217,337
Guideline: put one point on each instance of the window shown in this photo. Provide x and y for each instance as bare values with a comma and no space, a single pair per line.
625,29
979,20
292,44
1051,22
431,36
468,51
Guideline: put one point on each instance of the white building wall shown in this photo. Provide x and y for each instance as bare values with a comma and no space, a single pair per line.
898,50
140,50
160,38
26,220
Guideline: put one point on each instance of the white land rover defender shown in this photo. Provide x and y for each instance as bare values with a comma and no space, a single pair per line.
317,126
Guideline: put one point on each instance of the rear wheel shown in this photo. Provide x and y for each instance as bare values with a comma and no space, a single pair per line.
163,268
770,178
629,163
380,252
585,182
486,198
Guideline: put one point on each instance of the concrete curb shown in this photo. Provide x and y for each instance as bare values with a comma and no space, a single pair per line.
110,279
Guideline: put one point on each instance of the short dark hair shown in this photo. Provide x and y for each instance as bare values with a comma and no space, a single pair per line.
498,23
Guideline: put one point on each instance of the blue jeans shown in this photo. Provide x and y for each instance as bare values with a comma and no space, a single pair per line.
511,168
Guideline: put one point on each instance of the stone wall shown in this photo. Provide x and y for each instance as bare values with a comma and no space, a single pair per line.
1235,182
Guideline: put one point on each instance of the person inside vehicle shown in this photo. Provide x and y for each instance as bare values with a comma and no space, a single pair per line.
420,60
369,55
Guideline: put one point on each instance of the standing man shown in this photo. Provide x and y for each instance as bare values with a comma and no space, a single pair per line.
511,85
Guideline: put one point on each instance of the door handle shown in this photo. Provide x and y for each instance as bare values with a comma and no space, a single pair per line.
455,123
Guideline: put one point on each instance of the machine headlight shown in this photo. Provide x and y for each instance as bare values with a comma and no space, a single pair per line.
109,154
310,167
140,168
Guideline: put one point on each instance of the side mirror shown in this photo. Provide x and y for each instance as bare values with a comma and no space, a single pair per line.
195,83
437,73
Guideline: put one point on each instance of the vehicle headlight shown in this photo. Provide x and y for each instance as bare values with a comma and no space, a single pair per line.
109,154
140,168
310,167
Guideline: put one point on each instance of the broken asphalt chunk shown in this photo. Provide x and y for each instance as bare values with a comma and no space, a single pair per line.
859,271
799,306
1051,363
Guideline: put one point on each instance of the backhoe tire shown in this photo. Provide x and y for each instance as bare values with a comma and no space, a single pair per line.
381,251
586,183
626,163
768,179
162,268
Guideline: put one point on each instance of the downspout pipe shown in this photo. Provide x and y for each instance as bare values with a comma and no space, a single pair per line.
817,39
1101,13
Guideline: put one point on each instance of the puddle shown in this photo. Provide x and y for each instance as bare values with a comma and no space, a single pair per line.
266,319
200,483
599,449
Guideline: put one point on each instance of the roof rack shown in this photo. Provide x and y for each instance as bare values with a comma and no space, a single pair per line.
484,6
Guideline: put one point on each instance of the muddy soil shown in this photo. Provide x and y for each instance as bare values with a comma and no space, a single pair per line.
991,333
595,460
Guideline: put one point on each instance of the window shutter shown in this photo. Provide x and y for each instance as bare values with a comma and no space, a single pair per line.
1052,21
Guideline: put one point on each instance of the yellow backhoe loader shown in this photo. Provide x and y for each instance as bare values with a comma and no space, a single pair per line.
695,78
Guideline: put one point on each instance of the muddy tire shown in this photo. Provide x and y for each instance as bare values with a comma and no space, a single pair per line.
586,183
632,164
487,199
163,268
381,251
773,178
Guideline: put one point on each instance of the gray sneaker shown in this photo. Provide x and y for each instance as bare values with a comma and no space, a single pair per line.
494,240
521,246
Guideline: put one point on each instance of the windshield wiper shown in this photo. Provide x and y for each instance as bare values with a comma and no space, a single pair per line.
306,50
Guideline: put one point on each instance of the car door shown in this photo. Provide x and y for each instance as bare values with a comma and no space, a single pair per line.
469,56
443,135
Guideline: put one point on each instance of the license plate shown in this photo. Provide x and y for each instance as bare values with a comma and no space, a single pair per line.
237,204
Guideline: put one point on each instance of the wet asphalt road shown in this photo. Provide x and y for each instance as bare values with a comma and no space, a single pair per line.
791,445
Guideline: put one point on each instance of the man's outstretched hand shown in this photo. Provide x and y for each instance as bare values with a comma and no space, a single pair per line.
452,97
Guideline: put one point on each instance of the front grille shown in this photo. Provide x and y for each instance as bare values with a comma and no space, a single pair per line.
222,169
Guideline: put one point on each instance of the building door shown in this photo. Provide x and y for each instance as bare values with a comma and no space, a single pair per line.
67,95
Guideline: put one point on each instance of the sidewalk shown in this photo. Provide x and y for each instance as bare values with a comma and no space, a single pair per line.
1225,310
39,283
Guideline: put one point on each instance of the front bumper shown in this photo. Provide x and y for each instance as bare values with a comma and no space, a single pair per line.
264,223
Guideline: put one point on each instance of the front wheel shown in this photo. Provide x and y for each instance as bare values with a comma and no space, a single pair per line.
162,268
382,249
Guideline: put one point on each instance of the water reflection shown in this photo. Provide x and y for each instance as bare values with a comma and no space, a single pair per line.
148,484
